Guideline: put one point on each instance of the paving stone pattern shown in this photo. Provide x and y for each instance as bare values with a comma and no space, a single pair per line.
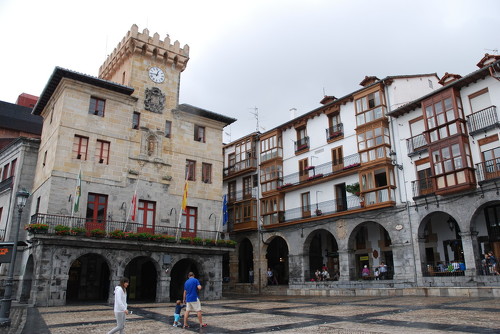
278,314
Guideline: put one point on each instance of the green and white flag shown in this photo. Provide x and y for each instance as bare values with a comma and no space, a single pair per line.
78,192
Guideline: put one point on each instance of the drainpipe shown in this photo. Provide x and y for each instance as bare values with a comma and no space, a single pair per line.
393,140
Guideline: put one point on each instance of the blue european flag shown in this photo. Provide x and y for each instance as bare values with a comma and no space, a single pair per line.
224,210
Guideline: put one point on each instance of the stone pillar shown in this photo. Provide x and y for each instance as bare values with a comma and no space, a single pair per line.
347,264
295,272
471,252
234,275
402,256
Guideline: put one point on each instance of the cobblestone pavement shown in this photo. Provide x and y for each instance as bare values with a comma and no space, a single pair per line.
271,314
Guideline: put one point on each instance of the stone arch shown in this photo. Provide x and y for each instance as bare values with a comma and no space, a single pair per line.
179,274
320,249
245,261
27,280
143,273
370,244
277,258
440,242
88,279
483,225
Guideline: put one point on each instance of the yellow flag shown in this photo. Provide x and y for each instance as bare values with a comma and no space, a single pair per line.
185,196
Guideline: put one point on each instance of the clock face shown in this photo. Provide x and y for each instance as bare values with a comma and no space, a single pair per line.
156,74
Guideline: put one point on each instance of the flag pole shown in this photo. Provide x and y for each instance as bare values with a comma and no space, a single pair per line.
75,207
183,205
132,204
223,218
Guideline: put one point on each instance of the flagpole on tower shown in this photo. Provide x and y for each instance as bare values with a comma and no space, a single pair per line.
183,205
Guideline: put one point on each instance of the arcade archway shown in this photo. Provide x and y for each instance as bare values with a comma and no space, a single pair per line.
277,259
179,275
245,261
322,251
88,279
142,274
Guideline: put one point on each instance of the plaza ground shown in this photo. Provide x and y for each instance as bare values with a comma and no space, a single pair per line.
276,314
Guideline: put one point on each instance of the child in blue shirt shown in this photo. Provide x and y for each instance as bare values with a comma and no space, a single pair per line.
177,313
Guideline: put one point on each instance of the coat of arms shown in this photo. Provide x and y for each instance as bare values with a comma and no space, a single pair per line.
155,100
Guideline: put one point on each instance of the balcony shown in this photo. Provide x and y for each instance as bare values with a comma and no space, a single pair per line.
325,170
488,170
241,167
241,195
108,226
302,144
334,131
276,152
323,208
417,144
483,120
6,184
423,187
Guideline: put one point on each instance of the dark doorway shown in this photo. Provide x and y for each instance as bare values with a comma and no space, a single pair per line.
179,275
277,259
245,261
142,274
27,281
88,279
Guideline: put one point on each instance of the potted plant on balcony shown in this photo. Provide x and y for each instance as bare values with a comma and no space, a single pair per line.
197,241
98,233
62,230
231,243
37,228
355,190
117,234
209,242
78,231
170,239
144,236
185,240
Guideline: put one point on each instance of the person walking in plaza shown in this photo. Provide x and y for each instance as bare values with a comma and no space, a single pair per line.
120,306
191,288
177,313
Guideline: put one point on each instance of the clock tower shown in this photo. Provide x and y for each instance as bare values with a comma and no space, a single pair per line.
151,66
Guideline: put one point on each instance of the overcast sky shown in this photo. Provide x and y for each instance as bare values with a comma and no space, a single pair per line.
273,55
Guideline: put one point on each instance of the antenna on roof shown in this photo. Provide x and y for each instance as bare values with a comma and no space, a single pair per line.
495,51
228,133
256,115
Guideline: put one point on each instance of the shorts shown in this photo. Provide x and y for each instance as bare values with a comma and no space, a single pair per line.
193,306
177,317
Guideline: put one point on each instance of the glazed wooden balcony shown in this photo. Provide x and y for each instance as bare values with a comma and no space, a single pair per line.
241,167
423,187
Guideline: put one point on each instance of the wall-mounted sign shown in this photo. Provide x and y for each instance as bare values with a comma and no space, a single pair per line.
6,252
363,258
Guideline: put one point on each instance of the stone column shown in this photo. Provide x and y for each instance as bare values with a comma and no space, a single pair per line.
295,272
471,252
402,256
347,264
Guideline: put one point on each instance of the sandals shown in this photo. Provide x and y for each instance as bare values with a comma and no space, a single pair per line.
185,326
203,325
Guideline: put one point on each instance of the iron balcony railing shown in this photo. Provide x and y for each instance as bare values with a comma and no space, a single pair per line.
111,225
241,165
488,170
335,131
326,169
241,195
302,144
423,187
417,144
483,120
7,183
322,208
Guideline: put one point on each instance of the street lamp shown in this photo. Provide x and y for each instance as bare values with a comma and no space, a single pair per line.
21,198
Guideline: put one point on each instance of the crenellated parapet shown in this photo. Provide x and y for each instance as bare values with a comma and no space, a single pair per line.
149,46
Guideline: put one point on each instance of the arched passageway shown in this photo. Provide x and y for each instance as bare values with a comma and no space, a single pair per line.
441,247
88,279
372,248
245,261
277,259
142,274
179,275
322,251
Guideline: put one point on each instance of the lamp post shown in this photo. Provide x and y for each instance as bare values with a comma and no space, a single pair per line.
5,303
